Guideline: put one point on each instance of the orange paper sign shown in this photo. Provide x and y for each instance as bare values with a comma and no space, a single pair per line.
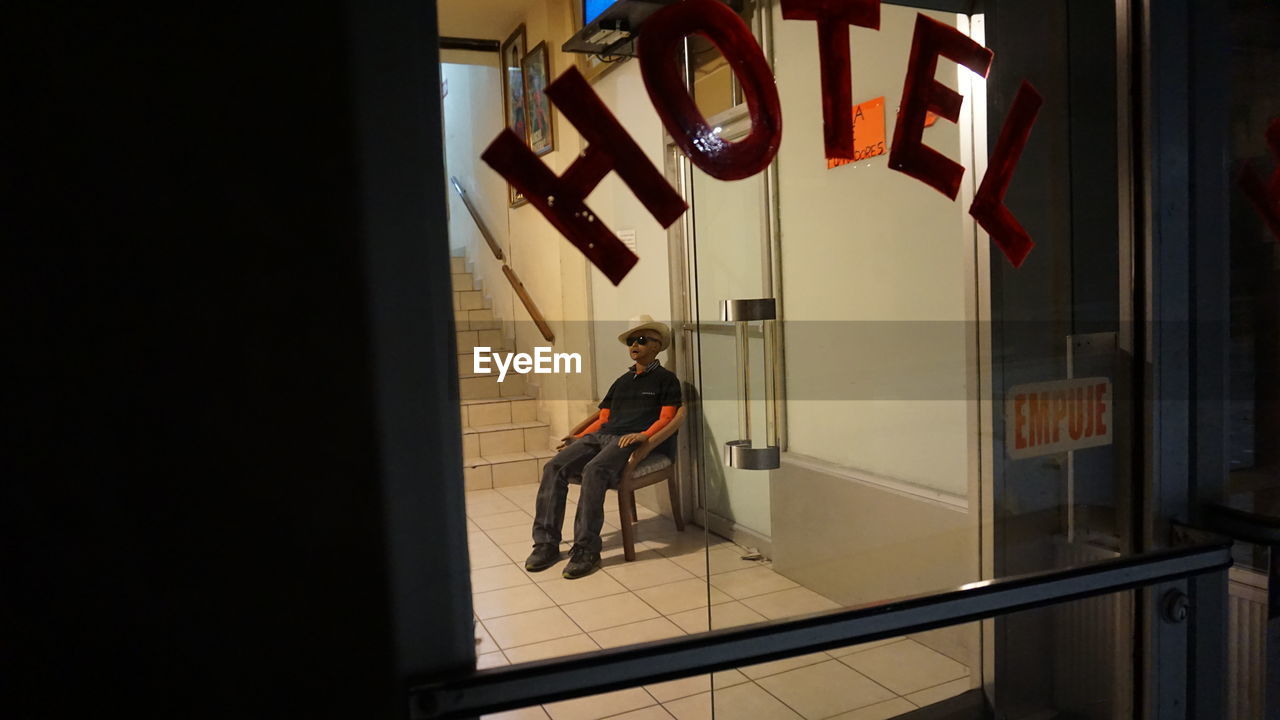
868,133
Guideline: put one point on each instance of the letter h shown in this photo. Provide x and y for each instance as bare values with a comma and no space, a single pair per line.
562,199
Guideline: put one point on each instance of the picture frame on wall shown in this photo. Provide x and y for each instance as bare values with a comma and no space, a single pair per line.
536,69
513,102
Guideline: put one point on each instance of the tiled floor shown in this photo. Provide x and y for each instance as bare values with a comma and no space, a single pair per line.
664,593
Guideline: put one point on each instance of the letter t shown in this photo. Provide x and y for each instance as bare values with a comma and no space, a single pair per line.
834,18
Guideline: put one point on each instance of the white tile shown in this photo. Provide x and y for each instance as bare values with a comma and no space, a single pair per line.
491,660
595,707
487,502
675,689
682,595
587,588
721,558
511,534
559,647
486,644
648,569
653,712
487,556
496,578
730,614
938,693
515,473
609,611
825,689
789,603
645,631
850,649
880,711
751,581
515,518
694,707
531,627
749,700
530,713
906,667
509,601
756,672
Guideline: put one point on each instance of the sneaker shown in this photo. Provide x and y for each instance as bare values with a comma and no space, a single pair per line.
544,555
581,563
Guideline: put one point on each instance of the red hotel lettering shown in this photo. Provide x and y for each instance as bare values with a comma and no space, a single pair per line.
1099,409
562,199
1075,423
988,206
1019,421
664,79
1059,413
1266,198
834,18
922,93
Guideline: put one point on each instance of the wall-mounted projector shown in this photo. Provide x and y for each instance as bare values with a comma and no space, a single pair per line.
610,27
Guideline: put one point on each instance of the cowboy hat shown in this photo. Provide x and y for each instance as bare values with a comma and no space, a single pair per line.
646,322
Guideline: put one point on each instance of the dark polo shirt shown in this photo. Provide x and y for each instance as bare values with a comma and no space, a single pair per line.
635,400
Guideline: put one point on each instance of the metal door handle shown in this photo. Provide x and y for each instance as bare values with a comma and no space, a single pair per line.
739,453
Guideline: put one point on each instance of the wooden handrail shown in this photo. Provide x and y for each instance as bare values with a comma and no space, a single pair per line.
529,305
475,215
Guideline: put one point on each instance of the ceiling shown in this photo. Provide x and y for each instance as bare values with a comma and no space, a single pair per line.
481,19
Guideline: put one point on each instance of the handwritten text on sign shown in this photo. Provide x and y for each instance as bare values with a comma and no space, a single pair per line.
1053,417
868,133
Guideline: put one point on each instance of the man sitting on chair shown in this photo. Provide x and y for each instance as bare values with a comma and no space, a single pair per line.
638,405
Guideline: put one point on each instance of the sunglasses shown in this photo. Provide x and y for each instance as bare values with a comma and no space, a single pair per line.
640,340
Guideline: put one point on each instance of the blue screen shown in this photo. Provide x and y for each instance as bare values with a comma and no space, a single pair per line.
591,9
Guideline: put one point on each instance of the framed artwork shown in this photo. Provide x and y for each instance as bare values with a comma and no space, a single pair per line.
513,105
536,68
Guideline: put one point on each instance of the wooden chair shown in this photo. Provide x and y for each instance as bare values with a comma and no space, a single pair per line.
643,470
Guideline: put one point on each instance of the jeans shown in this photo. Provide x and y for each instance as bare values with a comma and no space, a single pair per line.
600,461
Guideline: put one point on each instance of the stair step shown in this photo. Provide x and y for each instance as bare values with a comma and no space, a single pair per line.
501,470
487,386
504,439
462,281
469,340
457,264
496,411
468,300
481,319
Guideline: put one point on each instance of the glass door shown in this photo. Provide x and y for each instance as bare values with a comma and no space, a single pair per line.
885,406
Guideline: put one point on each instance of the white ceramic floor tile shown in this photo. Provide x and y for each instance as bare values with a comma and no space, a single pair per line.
682,595
694,707
789,603
533,713
491,660
906,667
572,645
511,534
750,582
939,693
723,615
485,557
755,672
648,569
826,689
609,611
675,689
531,627
644,631
880,711
595,707
851,649
486,644
653,712
509,601
498,577
516,518
480,504
563,591
749,700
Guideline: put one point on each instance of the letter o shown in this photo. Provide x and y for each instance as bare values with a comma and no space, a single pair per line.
664,81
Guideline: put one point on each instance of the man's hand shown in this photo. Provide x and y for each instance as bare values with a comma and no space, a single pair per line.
631,439
565,442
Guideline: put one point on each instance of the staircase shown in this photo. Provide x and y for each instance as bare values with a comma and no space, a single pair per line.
503,442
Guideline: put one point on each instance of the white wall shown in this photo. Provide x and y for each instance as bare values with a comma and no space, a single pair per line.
874,282
646,289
